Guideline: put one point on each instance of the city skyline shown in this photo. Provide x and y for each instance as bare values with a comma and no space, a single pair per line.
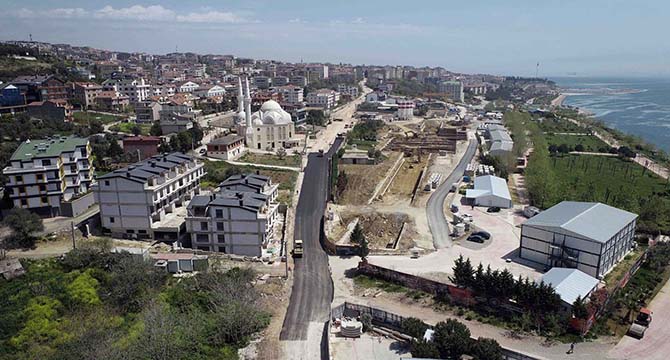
595,39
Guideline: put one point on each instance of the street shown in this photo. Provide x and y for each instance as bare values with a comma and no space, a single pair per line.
312,285
438,224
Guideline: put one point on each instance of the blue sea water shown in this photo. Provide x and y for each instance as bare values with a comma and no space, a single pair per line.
638,106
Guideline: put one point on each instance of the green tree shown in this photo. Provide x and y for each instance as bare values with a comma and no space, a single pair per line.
422,349
156,129
136,130
486,349
83,290
463,272
452,339
413,327
363,248
357,235
579,309
23,224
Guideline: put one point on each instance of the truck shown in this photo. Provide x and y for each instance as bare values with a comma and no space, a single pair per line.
641,323
320,153
297,249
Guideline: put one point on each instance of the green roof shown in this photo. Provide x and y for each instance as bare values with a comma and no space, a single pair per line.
47,147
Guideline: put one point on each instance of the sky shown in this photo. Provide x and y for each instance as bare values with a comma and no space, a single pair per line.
506,37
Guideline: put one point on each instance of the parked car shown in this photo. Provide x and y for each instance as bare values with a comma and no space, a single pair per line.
483,234
476,238
203,151
493,209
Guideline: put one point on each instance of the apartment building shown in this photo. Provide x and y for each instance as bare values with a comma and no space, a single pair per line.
148,111
324,98
292,94
348,90
85,93
453,89
238,219
137,90
43,173
147,199
229,147
41,88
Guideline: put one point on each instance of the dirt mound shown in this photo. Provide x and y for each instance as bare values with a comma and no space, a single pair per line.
380,229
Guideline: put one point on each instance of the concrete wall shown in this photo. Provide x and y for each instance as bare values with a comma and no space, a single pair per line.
76,207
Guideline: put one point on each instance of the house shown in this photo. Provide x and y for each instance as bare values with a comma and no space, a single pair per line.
148,112
238,219
489,190
357,158
570,284
137,90
210,91
10,95
176,116
324,98
41,87
112,101
43,173
147,199
291,94
591,237
229,147
85,93
141,146
348,90
188,87
51,110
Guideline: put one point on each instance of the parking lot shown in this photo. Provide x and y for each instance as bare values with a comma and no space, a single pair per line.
501,251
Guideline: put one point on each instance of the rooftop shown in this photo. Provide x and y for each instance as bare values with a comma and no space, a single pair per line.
153,166
226,140
489,184
254,180
225,198
570,283
48,147
595,221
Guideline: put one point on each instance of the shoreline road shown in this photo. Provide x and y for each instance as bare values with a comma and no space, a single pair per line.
309,307
437,223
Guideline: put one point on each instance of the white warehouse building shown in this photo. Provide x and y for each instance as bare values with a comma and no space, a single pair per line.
591,237
490,191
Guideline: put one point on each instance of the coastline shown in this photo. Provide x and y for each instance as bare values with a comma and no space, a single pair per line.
558,101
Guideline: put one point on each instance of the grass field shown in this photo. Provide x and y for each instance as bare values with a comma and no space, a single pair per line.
268,159
127,127
362,181
557,125
360,144
591,143
83,117
600,178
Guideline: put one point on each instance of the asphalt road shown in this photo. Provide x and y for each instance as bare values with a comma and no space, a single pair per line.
312,285
437,223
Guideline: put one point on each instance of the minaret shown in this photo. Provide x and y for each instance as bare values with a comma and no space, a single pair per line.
247,114
240,96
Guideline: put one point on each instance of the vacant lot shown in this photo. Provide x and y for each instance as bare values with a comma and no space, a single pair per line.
589,142
83,117
127,127
268,159
403,183
362,181
381,229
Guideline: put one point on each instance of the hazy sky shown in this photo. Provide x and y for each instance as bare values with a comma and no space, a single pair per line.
588,37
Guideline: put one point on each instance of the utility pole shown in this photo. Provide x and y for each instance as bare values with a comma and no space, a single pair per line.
74,244
537,69
139,156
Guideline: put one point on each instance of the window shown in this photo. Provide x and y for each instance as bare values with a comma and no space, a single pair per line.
40,177
222,249
130,231
203,225
141,231
219,213
22,189
45,200
24,202
106,182
46,162
43,188
221,238
73,168
111,220
18,178
219,226
202,238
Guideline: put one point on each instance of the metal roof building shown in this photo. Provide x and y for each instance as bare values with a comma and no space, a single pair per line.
591,237
570,284
490,191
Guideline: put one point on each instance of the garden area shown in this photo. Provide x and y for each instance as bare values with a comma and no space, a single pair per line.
131,128
93,304
85,117
582,143
280,159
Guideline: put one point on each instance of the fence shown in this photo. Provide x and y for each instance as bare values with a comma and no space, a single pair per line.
393,321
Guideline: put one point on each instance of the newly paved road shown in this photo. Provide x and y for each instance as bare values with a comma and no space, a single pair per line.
438,224
312,285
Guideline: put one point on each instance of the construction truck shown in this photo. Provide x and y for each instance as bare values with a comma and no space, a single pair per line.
297,249
640,324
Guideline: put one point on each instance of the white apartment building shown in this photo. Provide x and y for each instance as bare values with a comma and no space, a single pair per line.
453,89
147,200
405,109
324,98
292,94
136,90
209,91
349,90
316,72
43,173
238,219
164,90
188,87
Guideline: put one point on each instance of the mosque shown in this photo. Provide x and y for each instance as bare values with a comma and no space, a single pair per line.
269,128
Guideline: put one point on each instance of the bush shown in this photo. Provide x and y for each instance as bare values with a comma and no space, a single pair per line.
413,327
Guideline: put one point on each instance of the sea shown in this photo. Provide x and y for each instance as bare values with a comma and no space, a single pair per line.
638,106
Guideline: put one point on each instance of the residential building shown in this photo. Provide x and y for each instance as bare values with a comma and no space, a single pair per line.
453,89
85,93
147,200
591,237
188,87
41,88
137,90
10,95
280,81
266,129
239,219
148,112
112,100
141,147
489,190
405,109
292,94
262,82
229,147
176,117
209,91
351,91
298,81
570,284
43,173
324,98
315,72
56,110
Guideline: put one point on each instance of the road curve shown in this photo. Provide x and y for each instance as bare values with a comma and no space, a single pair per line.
437,223
312,284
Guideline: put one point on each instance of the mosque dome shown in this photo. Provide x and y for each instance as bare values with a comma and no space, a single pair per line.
271,113
270,105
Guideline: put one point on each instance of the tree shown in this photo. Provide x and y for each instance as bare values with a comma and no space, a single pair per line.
553,149
136,130
579,147
579,309
563,149
413,327
281,153
156,129
486,349
363,248
23,224
357,235
463,272
422,349
452,339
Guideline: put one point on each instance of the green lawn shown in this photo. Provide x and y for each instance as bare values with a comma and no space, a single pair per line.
268,159
83,117
590,143
558,125
127,127
361,144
